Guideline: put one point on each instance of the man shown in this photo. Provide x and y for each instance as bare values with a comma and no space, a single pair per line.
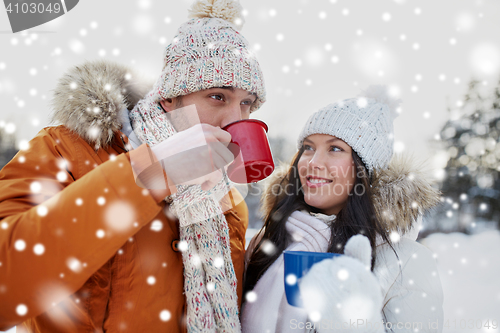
83,248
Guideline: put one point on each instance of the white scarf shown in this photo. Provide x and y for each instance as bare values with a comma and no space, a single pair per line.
271,311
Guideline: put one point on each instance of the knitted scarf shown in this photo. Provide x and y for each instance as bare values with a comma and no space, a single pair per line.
209,277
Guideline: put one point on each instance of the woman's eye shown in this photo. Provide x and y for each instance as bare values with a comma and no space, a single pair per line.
307,147
335,148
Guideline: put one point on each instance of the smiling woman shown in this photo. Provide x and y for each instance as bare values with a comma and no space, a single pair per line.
343,194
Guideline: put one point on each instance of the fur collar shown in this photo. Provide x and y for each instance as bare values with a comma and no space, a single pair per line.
402,193
88,99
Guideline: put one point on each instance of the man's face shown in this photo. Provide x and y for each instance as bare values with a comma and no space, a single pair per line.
216,106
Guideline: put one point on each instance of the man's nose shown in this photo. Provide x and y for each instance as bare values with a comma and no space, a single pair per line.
231,114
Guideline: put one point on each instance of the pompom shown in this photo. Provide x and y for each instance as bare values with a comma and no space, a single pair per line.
382,95
229,10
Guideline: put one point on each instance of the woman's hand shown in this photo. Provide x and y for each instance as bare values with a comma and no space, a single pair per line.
342,293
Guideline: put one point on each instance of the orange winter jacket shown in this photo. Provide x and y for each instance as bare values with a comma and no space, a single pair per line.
83,248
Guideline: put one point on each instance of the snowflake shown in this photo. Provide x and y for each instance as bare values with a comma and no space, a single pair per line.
315,316
251,296
183,246
62,176
485,58
218,262
362,102
21,310
42,210
196,260
144,4
399,147
74,264
76,46
20,245
39,249
268,247
36,187
151,280
342,274
101,201
395,237
291,279
156,225
165,315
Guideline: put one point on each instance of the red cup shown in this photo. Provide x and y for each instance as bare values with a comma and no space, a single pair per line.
253,159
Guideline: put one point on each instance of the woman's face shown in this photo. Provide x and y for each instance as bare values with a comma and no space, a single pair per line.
327,172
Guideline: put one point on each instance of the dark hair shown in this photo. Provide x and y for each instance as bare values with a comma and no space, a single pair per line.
356,217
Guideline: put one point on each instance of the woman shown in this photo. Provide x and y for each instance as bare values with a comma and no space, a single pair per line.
340,194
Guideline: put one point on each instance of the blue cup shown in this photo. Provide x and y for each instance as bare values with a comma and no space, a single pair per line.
297,264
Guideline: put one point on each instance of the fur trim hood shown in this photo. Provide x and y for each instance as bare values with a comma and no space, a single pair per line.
88,99
402,193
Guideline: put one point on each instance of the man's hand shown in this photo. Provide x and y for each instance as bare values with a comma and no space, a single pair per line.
195,155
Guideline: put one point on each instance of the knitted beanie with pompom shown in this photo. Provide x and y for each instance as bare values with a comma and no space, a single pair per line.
208,52
365,123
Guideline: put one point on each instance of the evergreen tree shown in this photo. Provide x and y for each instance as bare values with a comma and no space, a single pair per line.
471,138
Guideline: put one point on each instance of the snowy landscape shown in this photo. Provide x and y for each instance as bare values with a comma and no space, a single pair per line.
469,266
441,58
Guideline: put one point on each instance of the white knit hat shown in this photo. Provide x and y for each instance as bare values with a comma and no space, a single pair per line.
209,52
364,123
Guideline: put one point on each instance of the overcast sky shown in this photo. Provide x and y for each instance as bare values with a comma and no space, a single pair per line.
313,52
